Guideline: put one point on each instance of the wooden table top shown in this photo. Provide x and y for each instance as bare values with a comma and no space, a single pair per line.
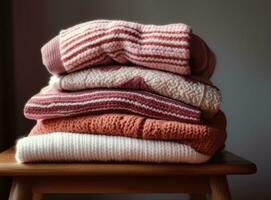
223,163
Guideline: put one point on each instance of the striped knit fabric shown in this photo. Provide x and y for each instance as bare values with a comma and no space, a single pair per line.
51,103
100,42
57,147
203,138
203,96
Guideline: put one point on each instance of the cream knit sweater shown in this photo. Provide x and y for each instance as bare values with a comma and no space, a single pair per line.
195,93
60,146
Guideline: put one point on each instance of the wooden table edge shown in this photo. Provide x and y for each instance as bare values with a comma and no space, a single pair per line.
158,171
238,166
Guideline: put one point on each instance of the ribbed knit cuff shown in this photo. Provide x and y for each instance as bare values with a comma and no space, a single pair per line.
51,57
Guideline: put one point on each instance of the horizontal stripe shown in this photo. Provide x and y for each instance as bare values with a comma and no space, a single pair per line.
120,38
97,61
170,44
128,95
152,55
33,113
105,59
100,100
141,103
139,28
167,66
88,27
82,26
122,54
98,33
113,101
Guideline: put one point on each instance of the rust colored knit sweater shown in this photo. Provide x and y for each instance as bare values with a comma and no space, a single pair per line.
203,138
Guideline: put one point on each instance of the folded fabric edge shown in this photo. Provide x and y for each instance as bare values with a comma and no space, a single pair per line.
51,57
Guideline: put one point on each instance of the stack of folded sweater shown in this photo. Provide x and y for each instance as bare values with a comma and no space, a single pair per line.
123,91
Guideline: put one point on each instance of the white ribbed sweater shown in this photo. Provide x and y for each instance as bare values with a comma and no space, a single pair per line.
61,146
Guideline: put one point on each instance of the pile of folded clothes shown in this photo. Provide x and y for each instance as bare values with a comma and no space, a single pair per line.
123,91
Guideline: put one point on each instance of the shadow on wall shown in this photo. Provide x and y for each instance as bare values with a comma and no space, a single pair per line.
7,95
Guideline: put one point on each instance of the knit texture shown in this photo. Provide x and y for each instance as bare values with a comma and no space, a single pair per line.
198,94
202,60
84,147
100,42
51,103
203,138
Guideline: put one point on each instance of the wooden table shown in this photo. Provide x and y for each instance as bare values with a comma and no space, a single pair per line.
30,181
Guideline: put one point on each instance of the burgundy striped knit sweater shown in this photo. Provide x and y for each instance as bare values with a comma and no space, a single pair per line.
51,103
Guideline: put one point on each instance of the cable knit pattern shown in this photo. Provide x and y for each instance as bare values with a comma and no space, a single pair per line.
51,103
61,146
203,138
164,47
198,94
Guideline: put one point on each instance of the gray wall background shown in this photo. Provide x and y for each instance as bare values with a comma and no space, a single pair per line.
238,32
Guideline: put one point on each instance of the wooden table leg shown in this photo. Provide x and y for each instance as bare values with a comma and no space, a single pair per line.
20,189
219,188
197,196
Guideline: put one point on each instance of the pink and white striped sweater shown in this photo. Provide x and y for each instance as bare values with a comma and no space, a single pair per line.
51,103
101,42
